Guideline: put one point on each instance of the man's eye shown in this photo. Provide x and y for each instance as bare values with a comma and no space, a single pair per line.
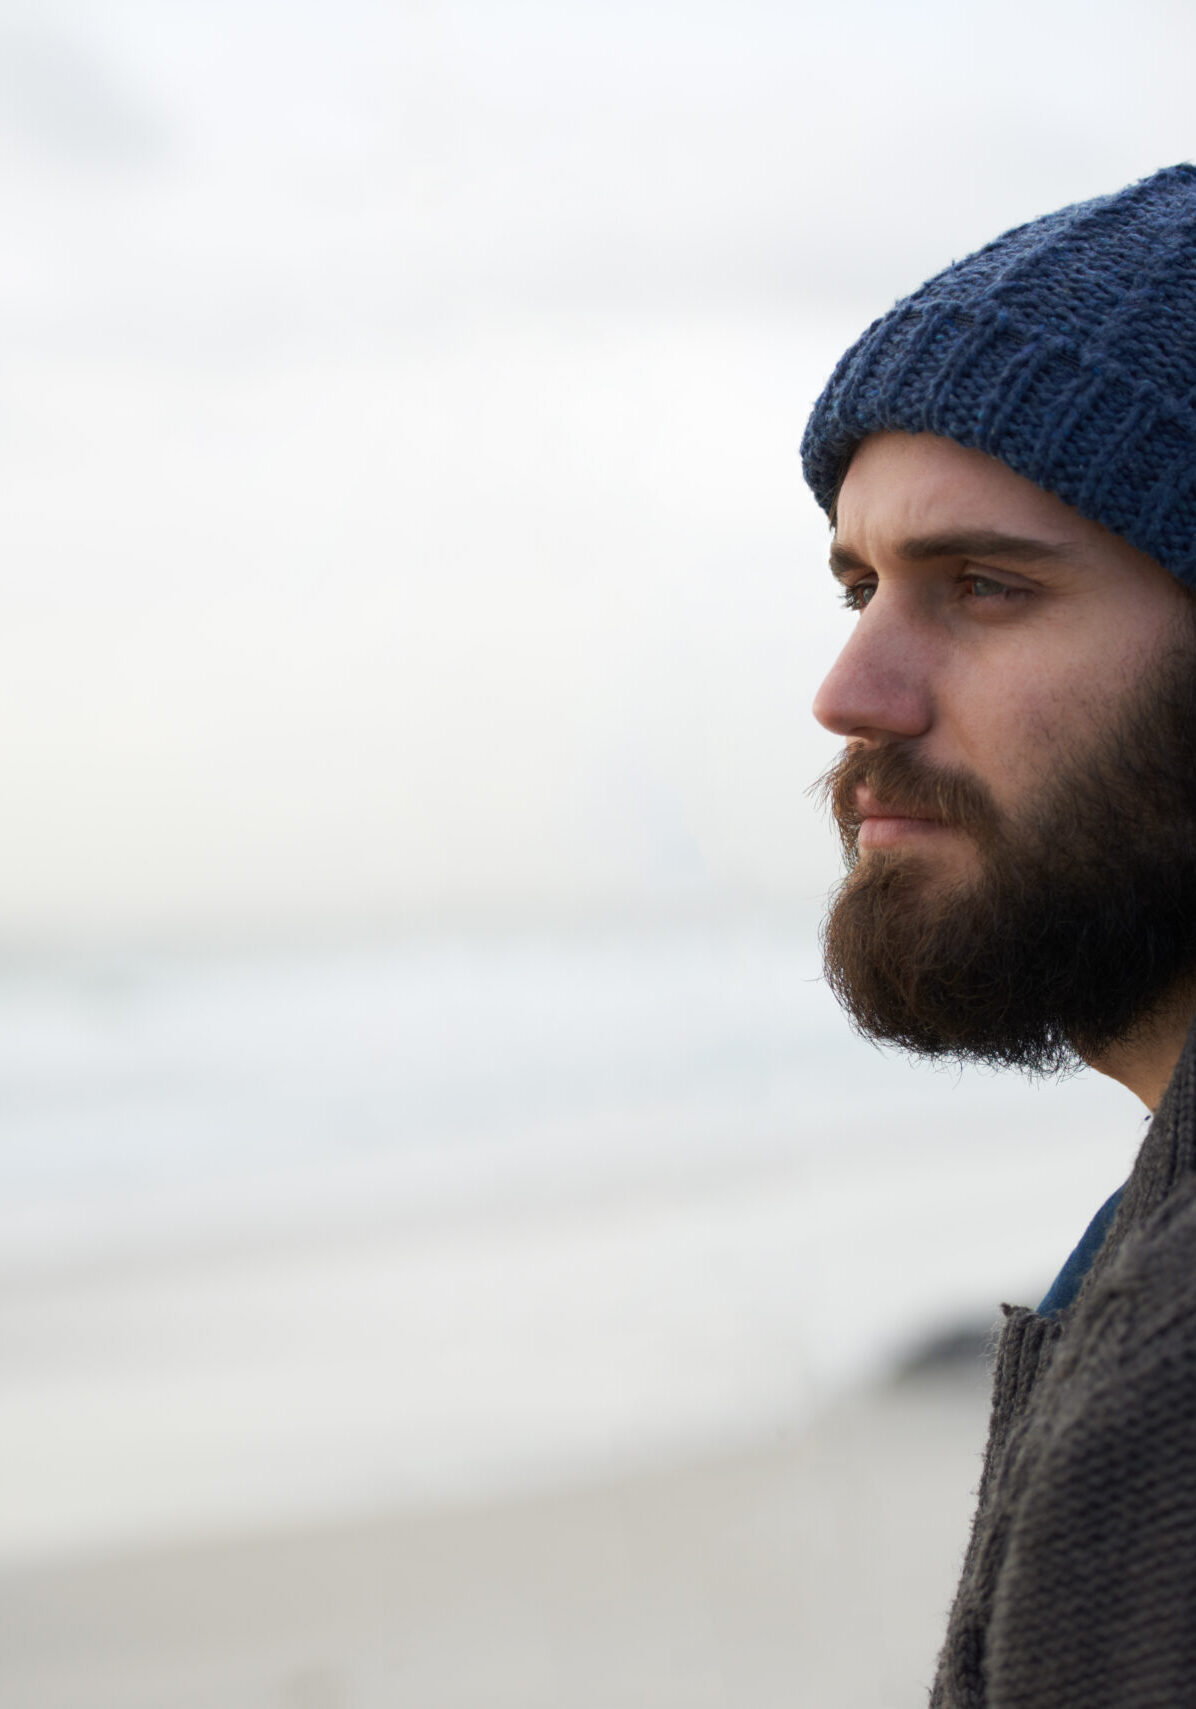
855,595
987,588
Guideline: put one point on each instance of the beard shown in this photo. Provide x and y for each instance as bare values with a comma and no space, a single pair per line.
1078,920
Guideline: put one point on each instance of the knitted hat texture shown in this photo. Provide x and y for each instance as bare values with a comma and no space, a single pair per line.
1066,348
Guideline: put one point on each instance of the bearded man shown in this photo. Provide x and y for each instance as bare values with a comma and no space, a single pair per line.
1008,460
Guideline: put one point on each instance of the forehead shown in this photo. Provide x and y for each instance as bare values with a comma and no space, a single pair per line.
904,484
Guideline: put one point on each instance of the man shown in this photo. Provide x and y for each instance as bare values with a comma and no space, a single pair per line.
1008,459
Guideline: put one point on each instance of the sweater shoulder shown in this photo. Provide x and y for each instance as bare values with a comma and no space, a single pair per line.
1152,1265
1091,1553
1138,1306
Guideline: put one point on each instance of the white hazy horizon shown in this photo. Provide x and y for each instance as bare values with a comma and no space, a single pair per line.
302,1235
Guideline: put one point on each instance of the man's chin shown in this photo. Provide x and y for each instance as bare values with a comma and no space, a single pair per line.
916,955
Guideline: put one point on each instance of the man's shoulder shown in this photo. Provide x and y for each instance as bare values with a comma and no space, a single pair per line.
1088,1545
1157,1248
1142,1301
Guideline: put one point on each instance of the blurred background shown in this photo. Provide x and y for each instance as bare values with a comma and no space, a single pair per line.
454,1252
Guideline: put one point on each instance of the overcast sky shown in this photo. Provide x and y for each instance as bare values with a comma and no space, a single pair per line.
399,410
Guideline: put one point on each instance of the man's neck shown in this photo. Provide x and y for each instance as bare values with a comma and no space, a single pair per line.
1145,1061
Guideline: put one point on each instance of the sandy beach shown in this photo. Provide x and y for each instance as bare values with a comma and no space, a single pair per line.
812,1571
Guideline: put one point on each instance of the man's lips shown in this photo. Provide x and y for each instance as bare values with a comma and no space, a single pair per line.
884,825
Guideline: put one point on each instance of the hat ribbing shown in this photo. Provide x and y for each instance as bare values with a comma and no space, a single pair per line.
1066,348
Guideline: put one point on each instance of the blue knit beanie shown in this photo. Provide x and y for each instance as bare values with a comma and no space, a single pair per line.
1067,348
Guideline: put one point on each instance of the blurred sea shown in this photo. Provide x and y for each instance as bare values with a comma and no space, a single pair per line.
296,1234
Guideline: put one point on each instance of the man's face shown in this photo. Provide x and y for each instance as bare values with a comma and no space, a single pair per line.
1017,798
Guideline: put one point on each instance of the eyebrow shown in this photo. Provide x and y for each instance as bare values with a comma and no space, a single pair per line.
980,543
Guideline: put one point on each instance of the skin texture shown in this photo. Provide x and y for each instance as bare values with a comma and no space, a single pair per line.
994,662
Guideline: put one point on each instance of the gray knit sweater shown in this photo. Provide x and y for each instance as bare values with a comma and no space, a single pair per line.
1079,1583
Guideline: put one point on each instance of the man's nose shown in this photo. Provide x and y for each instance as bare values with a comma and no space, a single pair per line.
879,687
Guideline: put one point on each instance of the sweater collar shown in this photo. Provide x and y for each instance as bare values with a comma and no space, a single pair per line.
1166,1157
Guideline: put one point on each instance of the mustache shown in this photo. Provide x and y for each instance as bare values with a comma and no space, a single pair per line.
906,784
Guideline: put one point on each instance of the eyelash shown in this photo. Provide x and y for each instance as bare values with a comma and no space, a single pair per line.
851,592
